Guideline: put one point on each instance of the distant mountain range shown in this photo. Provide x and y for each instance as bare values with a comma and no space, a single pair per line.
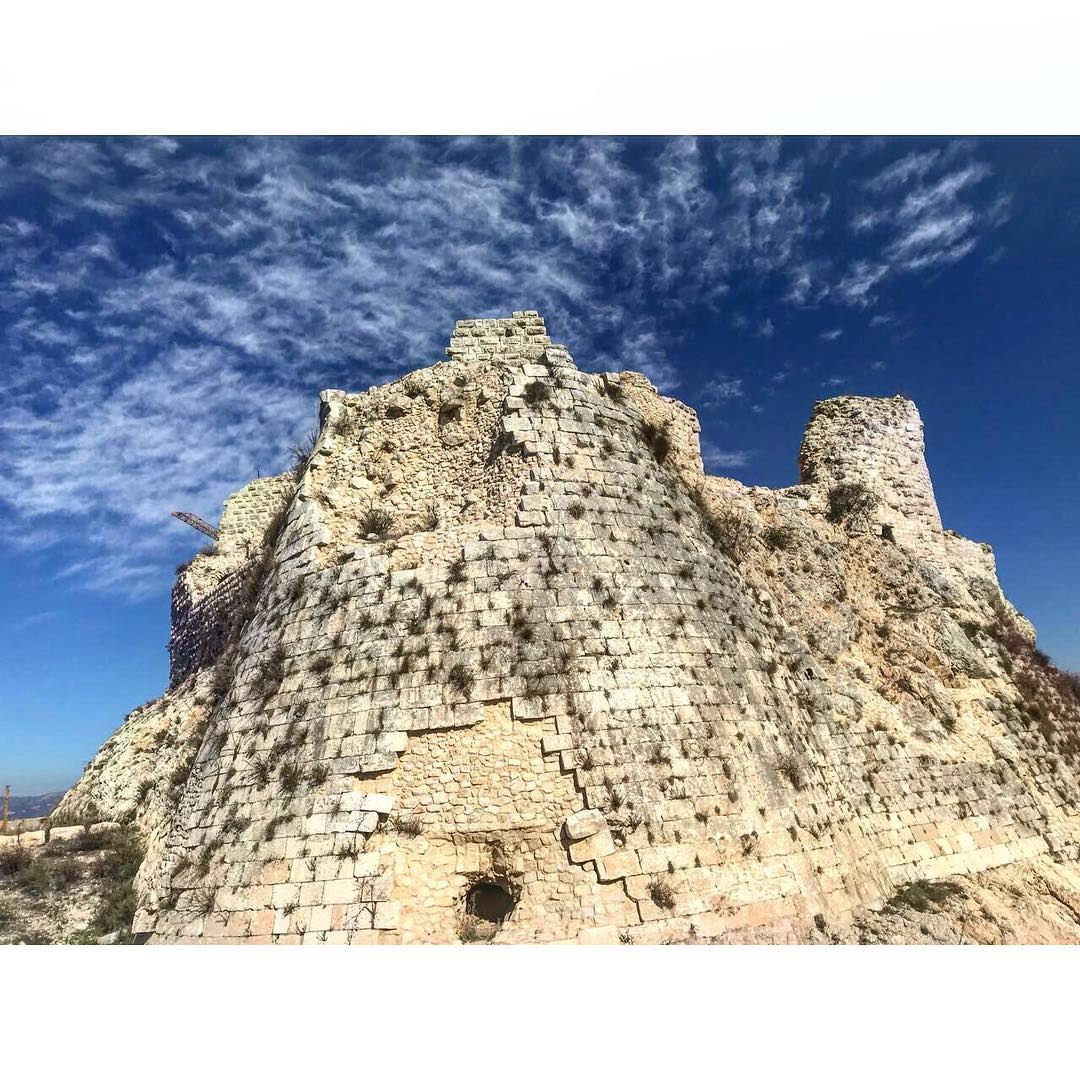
23,806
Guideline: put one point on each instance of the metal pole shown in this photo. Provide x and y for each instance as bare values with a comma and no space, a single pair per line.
7,792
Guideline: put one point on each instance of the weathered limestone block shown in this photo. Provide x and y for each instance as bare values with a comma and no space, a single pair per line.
596,846
599,935
621,864
583,824
387,915
378,803
552,744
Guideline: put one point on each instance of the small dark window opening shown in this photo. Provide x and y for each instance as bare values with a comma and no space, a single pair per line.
490,901
448,414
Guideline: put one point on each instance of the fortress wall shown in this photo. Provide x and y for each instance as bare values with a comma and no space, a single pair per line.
199,628
467,798
421,449
417,450
680,703
660,741
207,590
370,754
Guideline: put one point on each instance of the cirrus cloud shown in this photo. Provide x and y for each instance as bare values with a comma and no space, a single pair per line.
170,307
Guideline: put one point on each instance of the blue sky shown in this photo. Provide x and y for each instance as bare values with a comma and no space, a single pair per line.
169,310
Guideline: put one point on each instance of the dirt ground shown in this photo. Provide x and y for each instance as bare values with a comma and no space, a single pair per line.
52,893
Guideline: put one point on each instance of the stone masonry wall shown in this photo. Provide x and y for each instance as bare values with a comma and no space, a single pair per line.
250,511
200,628
208,589
545,667
879,442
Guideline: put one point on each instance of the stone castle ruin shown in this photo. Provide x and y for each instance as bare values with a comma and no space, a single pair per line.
498,660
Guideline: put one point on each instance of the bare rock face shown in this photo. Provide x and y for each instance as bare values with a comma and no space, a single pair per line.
500,661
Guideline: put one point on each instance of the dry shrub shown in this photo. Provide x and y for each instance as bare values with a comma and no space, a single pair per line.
779,537
661,893
791,767
14,859
1050,697
851,501
376,523
472,928
732,531
657,439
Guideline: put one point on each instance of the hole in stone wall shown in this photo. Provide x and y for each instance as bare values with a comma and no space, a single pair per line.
490,901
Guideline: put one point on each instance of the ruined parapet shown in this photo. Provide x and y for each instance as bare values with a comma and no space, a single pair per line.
523,336
669,419
209,588
251,511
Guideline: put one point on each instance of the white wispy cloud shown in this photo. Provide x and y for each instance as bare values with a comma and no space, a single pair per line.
831,335
720,389
924,211
857,286
899,173
715,458
169,308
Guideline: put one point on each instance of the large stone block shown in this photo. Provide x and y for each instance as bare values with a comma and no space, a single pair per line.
378,803
596,846
599,935
387,915
621,864
583,824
